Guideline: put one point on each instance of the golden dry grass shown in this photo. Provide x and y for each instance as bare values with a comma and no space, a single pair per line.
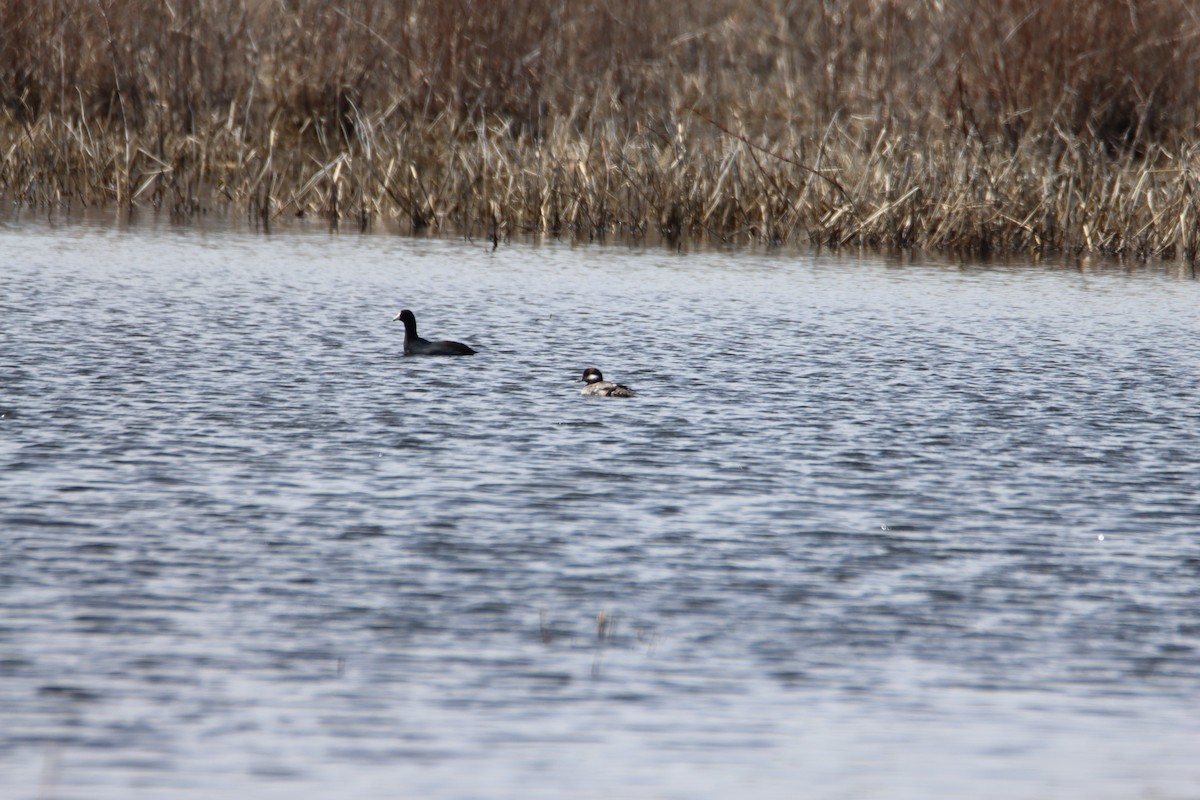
1012,126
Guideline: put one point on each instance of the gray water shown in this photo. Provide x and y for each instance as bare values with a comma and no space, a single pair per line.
871,529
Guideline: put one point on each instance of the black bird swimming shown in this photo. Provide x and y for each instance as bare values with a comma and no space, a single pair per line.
414,345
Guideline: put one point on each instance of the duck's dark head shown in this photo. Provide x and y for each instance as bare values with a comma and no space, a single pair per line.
592,375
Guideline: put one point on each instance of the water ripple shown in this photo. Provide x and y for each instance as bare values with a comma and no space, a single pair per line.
855,508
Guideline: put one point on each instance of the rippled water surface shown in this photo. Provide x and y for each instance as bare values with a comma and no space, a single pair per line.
869,530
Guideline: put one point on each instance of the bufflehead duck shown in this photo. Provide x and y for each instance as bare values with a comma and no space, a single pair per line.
416,346
598,387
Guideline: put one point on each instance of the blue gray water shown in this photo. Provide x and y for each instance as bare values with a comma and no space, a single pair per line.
871,529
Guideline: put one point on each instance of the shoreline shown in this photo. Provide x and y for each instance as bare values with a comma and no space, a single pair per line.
896,195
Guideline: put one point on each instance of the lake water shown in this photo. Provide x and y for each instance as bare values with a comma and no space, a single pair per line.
871,529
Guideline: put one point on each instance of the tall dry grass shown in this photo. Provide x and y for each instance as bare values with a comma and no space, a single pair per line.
1016,125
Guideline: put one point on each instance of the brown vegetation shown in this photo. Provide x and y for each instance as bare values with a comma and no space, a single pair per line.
1016,125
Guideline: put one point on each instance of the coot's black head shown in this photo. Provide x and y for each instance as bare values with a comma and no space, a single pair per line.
406,317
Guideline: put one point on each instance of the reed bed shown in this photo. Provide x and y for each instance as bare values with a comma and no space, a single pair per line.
1024,127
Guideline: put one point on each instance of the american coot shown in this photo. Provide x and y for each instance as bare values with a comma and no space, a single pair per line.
416,346
598,387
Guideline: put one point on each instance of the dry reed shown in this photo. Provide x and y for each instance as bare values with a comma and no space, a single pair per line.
1013,126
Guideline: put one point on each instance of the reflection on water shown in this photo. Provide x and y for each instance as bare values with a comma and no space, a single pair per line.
869,529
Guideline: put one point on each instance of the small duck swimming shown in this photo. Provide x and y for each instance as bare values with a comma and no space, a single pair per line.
416,346
598,387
